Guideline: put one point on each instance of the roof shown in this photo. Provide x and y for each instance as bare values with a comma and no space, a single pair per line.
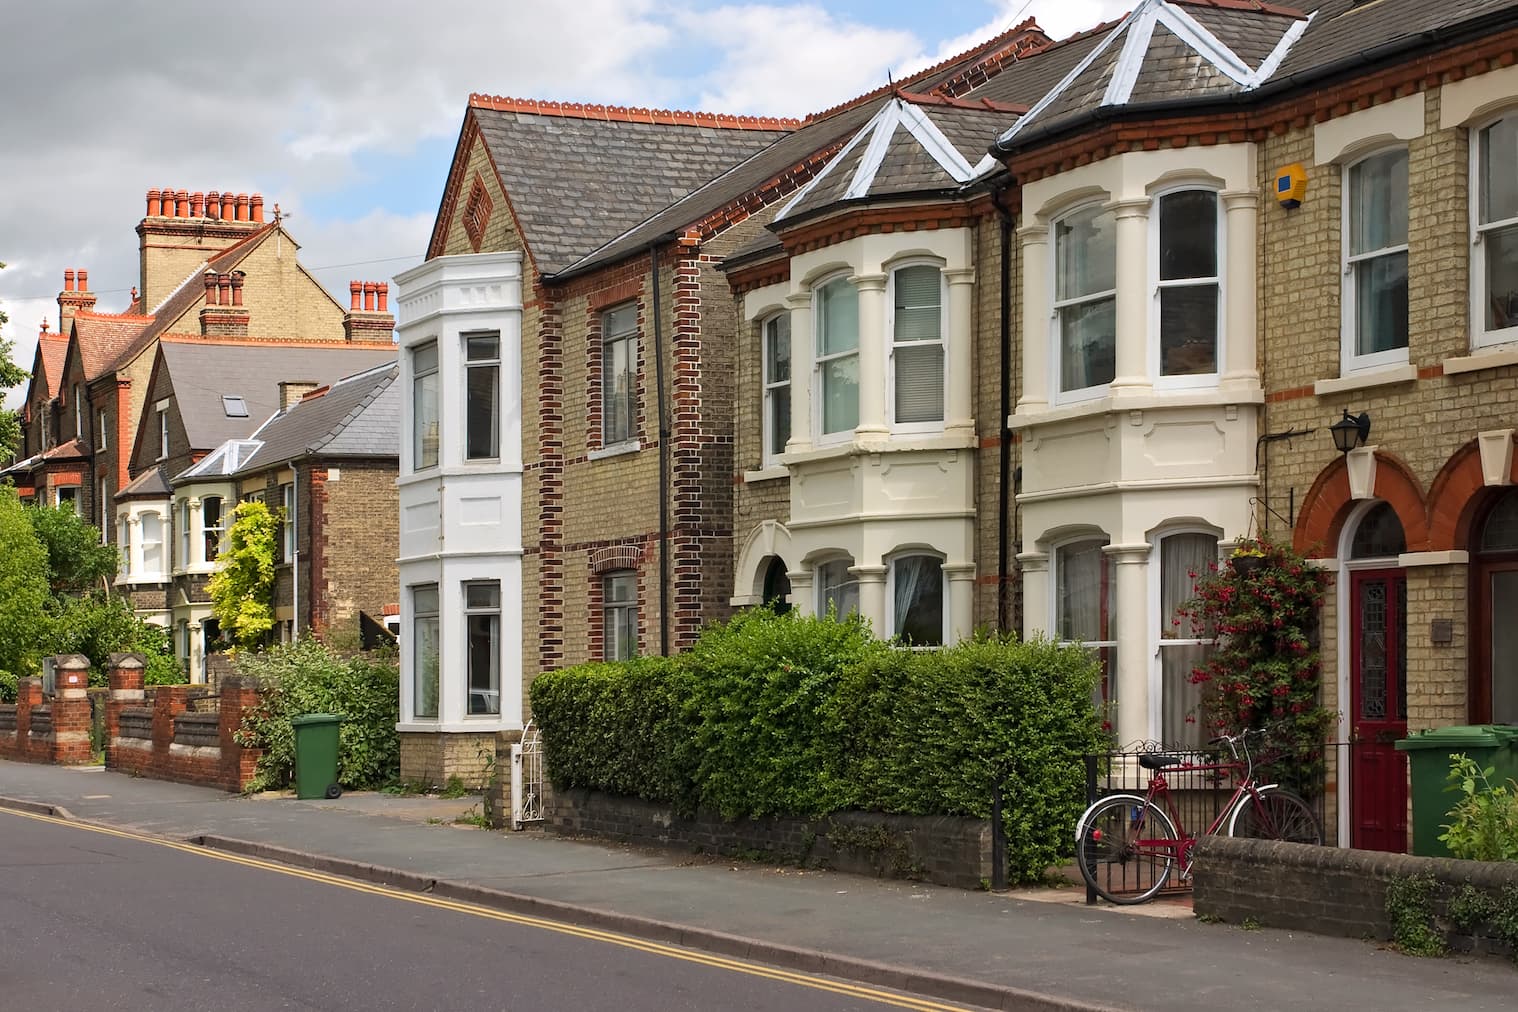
102,337
52,350
1342,31
357,416
203,371
576,181
150,484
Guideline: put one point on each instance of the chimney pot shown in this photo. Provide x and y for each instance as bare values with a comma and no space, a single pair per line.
242,207
213,204
84,281
384,295
225,282
182,210
355,290
154,206
237,277
197,204
68,281
369,289
210,279
256,207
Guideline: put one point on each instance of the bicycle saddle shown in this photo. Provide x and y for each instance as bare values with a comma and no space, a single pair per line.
1159,762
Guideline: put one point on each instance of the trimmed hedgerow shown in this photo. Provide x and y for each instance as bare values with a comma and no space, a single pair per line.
782,715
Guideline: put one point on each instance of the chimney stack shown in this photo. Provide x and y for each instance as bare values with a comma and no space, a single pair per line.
368,319
223,314
76,297
291,391
184,228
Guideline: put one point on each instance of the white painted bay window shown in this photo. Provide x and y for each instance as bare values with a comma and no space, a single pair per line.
424,650
151,526
1183,559
1494,265
212,523
776,339
917,346
837,382
619,616
619,374
482,613
916,593
1375,261
837,588
1187,234
1085,299
425,415
1084,610
482,396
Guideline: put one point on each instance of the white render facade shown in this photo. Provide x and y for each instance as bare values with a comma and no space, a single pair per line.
459,326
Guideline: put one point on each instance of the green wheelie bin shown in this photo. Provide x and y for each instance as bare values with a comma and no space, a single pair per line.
316,755
1428,761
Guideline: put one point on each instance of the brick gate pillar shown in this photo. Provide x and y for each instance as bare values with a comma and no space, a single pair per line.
71,710
125,678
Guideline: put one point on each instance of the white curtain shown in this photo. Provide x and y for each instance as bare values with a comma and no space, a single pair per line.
1184,558
917,601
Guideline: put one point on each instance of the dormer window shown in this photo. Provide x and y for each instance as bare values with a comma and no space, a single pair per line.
1085,298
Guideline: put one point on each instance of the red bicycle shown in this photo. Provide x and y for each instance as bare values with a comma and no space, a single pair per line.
1128,845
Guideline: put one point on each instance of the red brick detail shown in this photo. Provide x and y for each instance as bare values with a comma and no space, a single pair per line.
630,114
1291,394
228,765
551,486
879,220
759,275
1454,496
477,212
979,105
627,555
624,291
991,65
1431,371
316,511
1328,505
777,187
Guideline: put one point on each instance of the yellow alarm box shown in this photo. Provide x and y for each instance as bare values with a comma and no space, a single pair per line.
1291,185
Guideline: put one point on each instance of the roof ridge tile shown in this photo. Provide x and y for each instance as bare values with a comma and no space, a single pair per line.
973,104
630,114
1252,6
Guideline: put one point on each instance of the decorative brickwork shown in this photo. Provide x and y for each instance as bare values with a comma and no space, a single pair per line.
477,212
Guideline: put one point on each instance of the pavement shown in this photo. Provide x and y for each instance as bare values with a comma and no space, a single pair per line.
1033,949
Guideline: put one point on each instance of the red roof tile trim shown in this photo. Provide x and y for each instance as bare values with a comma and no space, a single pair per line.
630,114
977,104
1254,6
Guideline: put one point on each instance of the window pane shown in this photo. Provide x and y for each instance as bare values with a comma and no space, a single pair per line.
617,391
424,408
152,543
919,311
1379,534
1082,607
424,358
917,600
482,347
780,418
424,600
1085,254
621,320
1188,235
919,383
1504,647
1189,330
1378,202
777,349
1499,171
840,394
1183,559
1183,722
1501,255
484,664
1500,532
621,589
1088,337
1381,304
483,396
837,589
482,595
837,317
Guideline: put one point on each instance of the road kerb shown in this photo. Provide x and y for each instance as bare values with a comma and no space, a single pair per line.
919,982
37,808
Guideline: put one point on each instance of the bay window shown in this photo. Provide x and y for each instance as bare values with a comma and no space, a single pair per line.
917,344
916,594
837,325
1085,298
426,419
482,396
482,613
424,650
1188,283
776,339
211,525
619,616
151,525
1375,261
837,588
619,373
1494,266
1083,606
1183,558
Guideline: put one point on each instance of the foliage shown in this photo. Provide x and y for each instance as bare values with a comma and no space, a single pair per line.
1265,671
78,561
1484,822
99,626
11,375
784,715
307,677
1409,906
242,589
23,589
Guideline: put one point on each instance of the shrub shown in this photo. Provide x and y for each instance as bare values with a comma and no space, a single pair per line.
100,626
307,677
1484,822
23,588
242,588
78,560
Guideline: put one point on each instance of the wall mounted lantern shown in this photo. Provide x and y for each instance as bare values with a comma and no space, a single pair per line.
1350,431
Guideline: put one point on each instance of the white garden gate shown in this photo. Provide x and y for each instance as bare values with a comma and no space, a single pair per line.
527,778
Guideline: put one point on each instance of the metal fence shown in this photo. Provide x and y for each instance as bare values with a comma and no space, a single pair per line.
527,778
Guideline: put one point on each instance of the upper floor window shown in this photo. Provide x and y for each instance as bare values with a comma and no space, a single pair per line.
482,394
917,344
837,588
78,413
103,443
837,325
1085,298
1375,261
619,617
776,333
917,598
287,522
151,525
1188,285
163,433
211,524
425,416
1494,269
619,374
1083,605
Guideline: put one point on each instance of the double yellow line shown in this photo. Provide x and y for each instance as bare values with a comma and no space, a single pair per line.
475,910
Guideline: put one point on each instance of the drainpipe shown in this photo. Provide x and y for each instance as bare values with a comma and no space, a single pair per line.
653,260
1008,378
295,552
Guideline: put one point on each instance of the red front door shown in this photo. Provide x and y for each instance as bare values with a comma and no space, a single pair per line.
1378,701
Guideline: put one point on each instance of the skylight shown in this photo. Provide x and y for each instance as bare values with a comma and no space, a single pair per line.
235,407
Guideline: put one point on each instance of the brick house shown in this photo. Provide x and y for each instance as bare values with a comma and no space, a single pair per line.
45,470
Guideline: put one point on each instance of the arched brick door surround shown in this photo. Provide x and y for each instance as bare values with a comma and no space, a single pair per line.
1455,495
1328,505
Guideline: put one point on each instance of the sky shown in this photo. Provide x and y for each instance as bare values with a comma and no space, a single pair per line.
346,113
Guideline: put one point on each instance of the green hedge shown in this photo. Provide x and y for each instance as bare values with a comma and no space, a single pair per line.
783,715
308,677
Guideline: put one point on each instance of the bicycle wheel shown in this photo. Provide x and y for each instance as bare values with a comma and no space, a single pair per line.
1275,814
1125,848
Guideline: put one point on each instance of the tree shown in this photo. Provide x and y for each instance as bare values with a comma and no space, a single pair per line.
77,561
11,375
23,589
242,590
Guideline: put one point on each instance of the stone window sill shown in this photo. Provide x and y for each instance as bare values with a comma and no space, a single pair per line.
1365,380
1485,358
773,473
614,450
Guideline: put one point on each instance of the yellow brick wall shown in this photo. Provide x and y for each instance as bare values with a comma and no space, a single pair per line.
430,760
986,385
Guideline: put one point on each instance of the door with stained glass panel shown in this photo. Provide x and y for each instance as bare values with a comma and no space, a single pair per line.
1378,701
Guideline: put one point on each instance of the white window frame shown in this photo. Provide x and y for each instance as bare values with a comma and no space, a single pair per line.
472,611
219,529
819,585
1161,620
1109,645
1058,395
1350,362
819,437
78,414
1480,336
610,622
769,333
165,546
1156,286
890,617
630,337
184,539
435,614
104,431
124,548
892,344
163,433
417,378
471,364
287,525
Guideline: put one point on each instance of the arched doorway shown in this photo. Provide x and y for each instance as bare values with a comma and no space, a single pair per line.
777,586
1494,606
1377,628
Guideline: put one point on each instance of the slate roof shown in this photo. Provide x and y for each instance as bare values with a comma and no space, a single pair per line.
150,484
1339,31
357,416
203,371
576,183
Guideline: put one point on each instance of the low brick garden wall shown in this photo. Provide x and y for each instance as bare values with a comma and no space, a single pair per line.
941,849
1338,891
53,729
